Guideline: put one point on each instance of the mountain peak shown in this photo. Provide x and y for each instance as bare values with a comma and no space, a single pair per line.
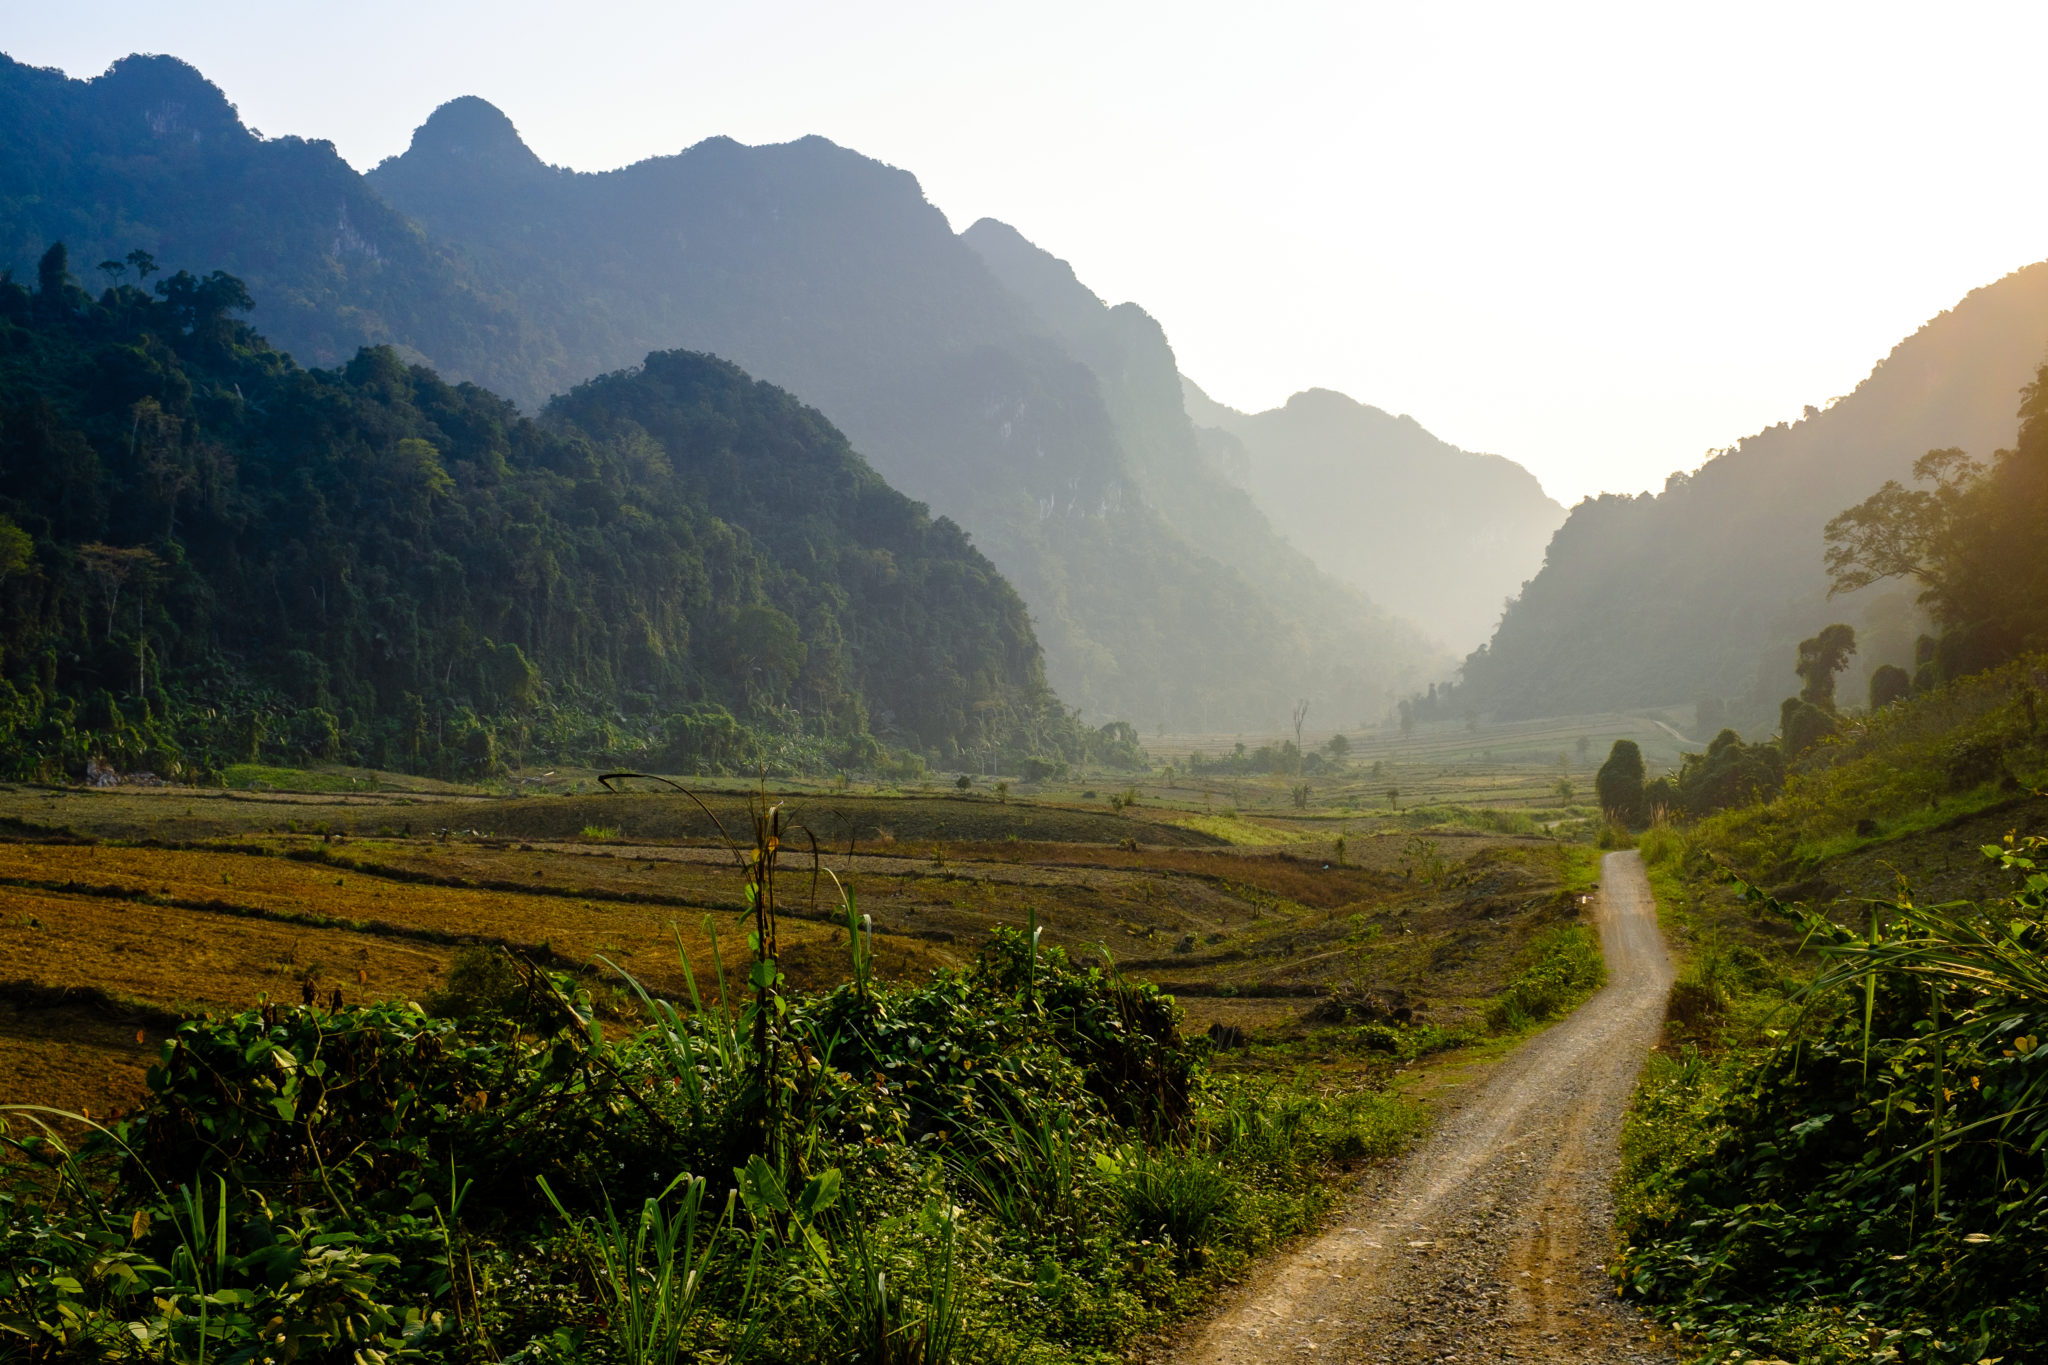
473,130
172,99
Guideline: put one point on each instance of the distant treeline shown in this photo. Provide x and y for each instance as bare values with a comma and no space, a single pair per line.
209,554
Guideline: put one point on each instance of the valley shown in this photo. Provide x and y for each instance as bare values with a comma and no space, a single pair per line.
697,762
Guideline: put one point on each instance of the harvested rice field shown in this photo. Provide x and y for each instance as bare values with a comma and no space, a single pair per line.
113,923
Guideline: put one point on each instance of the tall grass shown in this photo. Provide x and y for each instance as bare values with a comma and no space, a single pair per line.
650,1271
1661,843
1033,1175
1184,1199
882,1320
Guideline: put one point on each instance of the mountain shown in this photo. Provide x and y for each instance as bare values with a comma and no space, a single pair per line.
152,157
1704,590
1140,382
1438,534
1160,592
1157,590
209,554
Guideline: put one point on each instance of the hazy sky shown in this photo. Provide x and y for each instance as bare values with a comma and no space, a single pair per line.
1598,239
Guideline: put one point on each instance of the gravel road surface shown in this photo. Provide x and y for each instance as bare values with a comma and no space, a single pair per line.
1485,1243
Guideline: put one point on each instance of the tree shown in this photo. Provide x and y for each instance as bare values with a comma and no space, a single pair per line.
1338,747
113,567
1820,659
768,649
1729,773
17,550
1584,746
53,272
1801,725
1888,684
1899,532
1565,790
1620,784
1300,715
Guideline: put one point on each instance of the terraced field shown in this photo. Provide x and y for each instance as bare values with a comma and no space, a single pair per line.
118,910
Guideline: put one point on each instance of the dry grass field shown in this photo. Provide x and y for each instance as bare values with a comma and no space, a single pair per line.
121,909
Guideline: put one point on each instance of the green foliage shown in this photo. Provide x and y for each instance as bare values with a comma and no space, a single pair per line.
1565,967
512,1179
1914,764
1660,844
1124,1034
1874,1179
1730,773
1176,1198
1889,683
1820,659
1620,785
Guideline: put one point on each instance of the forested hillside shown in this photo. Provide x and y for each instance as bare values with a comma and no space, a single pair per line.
807,264
1440,535
209,554
1702,590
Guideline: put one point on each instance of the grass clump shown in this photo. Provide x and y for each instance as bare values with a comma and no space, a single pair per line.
1565,967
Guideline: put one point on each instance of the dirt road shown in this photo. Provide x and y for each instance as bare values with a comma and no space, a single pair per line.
1485,1243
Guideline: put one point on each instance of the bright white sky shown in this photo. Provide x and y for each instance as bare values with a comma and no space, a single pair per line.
1599,239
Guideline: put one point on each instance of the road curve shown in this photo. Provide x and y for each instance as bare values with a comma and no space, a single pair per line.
1485,1243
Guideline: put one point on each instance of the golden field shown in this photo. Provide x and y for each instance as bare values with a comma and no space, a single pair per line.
104,940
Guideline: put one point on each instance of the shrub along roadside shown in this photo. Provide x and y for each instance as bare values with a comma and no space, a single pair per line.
1852,1169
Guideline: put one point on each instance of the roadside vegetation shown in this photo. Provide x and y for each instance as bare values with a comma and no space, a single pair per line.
1838,1153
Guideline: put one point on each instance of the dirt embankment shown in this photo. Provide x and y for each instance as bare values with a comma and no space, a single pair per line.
1485,1243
